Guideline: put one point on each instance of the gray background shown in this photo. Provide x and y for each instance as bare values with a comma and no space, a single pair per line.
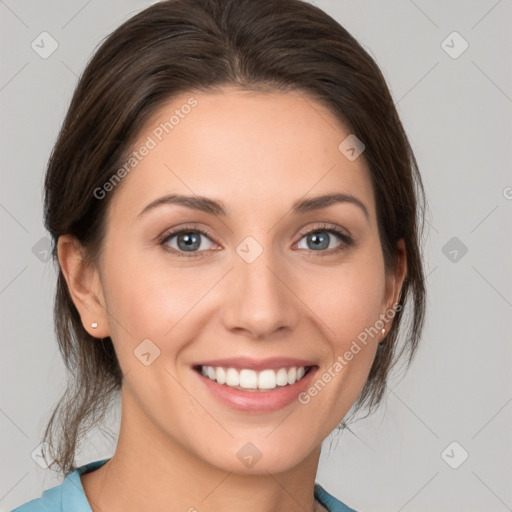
457,112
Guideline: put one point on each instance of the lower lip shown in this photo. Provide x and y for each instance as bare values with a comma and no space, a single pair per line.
258,401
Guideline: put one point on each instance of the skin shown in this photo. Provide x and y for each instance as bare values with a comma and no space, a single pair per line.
258,153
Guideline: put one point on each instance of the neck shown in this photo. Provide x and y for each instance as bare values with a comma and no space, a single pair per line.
148,467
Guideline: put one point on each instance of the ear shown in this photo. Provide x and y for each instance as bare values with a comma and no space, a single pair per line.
396,278
84,286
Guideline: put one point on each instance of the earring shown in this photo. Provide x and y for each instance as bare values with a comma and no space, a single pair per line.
94,325
381,343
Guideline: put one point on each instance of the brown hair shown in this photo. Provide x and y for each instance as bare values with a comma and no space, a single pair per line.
176,46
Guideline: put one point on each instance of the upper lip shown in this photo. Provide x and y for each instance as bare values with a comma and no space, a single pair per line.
272,363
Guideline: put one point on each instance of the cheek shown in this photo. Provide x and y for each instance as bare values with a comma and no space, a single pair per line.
350,310
150,300
346,299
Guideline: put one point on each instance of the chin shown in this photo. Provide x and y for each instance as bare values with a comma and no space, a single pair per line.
258,455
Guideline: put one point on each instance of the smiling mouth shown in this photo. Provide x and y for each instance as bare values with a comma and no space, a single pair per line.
255,381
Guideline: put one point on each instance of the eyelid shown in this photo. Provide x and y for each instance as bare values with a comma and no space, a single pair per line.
343,233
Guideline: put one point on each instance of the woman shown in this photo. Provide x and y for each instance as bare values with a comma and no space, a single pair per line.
235,210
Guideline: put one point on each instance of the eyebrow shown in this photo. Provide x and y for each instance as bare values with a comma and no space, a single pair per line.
217,208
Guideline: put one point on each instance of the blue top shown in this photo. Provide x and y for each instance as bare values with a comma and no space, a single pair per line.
69,496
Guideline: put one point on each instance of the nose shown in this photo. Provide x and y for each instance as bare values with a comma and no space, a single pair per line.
260,298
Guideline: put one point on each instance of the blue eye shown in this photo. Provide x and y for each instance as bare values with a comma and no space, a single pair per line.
320,241
189,243
188,240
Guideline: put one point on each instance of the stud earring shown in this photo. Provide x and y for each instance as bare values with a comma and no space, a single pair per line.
94,325
381,343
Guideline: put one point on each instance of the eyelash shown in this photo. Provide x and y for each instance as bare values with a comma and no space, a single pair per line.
346,241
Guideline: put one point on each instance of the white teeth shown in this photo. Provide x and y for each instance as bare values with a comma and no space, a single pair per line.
282,377
267,379
221,375
232,377
292,375
250,379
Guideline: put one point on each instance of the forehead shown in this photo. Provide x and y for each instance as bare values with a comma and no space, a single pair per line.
249,149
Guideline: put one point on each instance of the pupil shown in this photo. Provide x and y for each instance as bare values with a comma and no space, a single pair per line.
189,241
316,237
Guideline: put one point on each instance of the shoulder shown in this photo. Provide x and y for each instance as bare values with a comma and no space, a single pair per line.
50,501
69,496
331,503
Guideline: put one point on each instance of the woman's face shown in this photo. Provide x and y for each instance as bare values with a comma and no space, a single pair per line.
256,293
